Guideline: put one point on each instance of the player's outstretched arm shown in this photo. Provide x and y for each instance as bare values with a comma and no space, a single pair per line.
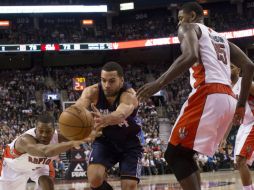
128,102
240,59
188,36
27,144
88,96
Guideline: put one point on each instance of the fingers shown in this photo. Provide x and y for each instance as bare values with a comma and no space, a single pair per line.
98,134
94,108
95,114
238,116
93,135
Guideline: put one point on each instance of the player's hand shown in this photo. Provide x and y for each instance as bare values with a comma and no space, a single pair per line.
147,90
93,135
239,115
223,144
99,119
77,143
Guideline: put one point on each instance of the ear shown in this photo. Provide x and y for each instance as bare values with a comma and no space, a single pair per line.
193,15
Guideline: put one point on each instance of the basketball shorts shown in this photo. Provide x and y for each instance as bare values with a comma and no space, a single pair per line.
204,118
17,180
128,155
244,143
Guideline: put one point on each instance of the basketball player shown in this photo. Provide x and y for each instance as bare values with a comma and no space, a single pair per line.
30,154
115,107
244,145
211,106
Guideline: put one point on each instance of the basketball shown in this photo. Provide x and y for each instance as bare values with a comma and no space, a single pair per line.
75,123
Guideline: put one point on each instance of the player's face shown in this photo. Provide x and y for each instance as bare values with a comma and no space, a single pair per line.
111,83
44,132
185,17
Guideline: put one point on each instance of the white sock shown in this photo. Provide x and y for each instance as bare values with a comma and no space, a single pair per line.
249,187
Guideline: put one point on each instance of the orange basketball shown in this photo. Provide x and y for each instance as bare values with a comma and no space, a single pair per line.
75,123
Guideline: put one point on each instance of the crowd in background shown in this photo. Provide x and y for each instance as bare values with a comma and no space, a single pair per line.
133,25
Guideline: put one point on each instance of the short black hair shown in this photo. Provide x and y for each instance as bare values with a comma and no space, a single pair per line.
113,66
46,118
193,6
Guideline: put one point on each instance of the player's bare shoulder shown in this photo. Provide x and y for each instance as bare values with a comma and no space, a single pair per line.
90,92
186,27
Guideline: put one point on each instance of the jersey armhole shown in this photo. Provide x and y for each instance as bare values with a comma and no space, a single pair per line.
199,32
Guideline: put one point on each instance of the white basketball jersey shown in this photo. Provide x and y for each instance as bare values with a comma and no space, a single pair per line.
26,162
248,117
214,62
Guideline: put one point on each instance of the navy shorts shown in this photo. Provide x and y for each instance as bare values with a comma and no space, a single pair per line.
128,154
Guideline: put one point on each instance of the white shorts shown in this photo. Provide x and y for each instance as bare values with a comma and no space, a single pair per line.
244,143
204,118
16,180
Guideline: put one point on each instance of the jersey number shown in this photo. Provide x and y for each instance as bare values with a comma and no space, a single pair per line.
220,51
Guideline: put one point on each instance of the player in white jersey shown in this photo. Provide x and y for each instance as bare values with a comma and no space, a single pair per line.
211,106
244,144
30,154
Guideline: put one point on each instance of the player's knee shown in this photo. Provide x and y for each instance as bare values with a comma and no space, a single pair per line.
95,180
181,161
95,175
240,161
129,184
45,182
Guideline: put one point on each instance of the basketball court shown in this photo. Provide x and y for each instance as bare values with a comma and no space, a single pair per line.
221,180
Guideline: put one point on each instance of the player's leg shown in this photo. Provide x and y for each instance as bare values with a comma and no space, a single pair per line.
46,183
42,178
10,179
101,159
197,129
181,159
198,177
244,147
244,171
183,165
96,176
130,164
129,184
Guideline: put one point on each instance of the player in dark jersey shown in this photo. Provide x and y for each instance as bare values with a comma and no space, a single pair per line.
114,105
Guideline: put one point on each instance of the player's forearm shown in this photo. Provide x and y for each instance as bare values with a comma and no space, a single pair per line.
81,104
56,149
115,118
180,65
247,73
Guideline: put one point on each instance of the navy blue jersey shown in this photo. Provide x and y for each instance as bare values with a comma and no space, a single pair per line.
129,128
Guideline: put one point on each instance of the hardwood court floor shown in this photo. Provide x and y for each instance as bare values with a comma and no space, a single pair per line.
221,180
